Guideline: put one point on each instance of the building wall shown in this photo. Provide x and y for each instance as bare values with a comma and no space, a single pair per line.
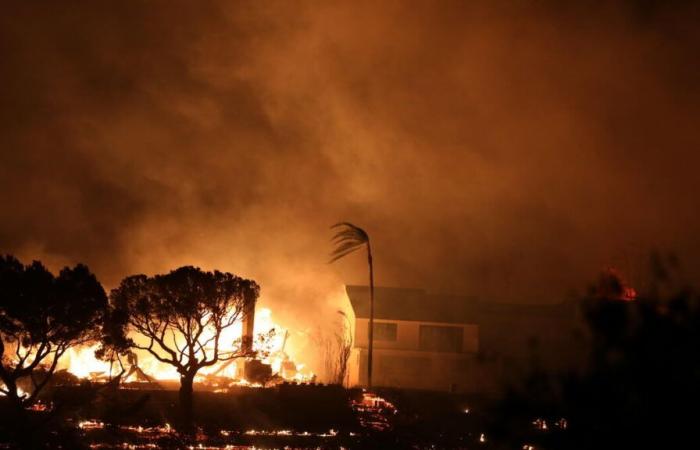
402,362
408,335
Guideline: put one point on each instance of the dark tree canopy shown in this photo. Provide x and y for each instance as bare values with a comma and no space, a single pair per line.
182,315
41,316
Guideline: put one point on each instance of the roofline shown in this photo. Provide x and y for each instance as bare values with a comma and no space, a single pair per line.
473,298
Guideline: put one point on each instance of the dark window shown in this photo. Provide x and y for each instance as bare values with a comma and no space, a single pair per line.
384,331
441,339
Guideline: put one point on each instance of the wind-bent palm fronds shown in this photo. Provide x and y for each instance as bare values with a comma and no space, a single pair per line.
348,239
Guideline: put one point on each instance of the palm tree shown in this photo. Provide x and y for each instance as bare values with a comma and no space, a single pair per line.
348,239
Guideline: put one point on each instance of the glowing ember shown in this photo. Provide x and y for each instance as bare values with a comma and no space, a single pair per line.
562,423
40,406
91,425
540,424
374,411
371,400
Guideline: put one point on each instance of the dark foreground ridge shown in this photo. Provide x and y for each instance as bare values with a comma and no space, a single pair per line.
285,416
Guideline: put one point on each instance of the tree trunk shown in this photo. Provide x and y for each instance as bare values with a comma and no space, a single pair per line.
371,316
186,402
12,394
21,431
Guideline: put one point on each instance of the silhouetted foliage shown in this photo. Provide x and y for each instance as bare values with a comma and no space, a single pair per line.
348,239
612,286
182,315
115,343
42,316
640,385
336,350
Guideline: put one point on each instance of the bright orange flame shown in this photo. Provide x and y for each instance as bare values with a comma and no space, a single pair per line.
82,362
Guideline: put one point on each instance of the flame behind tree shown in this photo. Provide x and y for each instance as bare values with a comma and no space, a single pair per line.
42,316
182,315
336,348
348,239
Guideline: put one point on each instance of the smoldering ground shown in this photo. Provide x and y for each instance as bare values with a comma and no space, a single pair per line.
507,150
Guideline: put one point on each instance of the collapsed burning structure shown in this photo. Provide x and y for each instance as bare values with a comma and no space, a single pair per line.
258,335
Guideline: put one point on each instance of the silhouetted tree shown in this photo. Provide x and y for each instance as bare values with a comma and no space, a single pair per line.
343,339
347,240
41,316
336,350
612,286
641,383
115,345
182,315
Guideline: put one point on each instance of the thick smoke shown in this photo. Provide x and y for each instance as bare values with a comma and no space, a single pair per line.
506,150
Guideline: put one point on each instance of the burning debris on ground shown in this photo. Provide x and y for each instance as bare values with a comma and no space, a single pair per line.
371,422
373,411
159,436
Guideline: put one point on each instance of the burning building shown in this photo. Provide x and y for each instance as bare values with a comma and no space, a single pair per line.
450,343
273,361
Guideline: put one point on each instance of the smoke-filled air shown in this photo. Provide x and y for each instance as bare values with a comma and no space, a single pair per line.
502,151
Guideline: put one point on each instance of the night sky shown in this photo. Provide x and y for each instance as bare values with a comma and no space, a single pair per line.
507,150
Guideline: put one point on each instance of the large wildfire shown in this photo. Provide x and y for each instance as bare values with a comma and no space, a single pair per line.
273,346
